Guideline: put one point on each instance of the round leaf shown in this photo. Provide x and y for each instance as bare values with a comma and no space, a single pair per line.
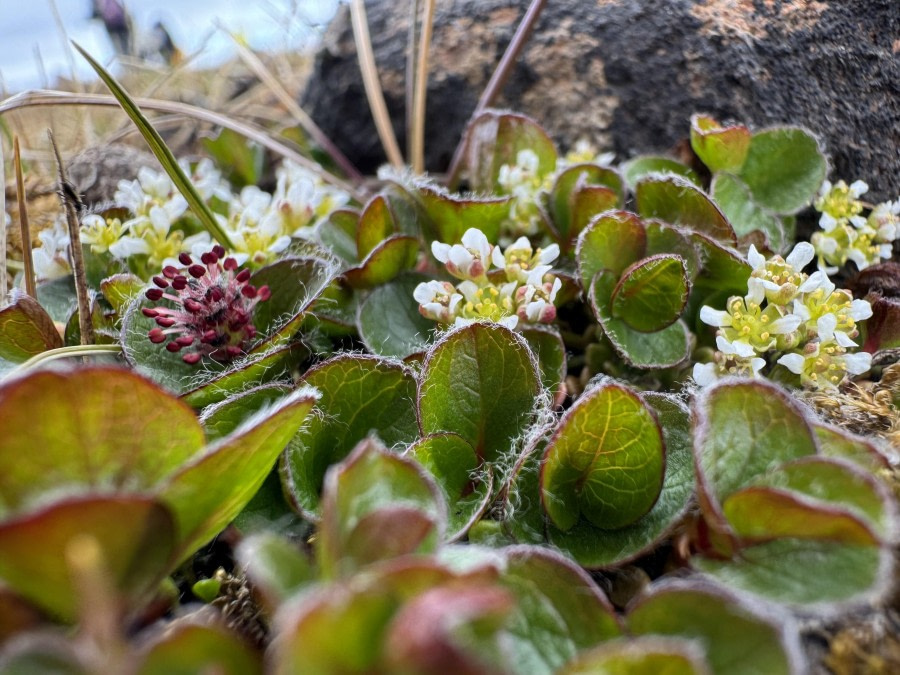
451,215
720,148
651,293
784,168
745,215
384,262
479,381
360,395
635,169
104,428
595,548
375,225
677,201
193,648
389,320
648,655
26,329
612,241
738,638
606,461
134,537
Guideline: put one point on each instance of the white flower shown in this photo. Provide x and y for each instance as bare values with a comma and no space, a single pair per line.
714,317
705,374
860,309
801,255
51,259
858,188
736,348
857,363
469,260
793,362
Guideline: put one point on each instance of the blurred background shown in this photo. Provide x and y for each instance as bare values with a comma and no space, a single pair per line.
34,35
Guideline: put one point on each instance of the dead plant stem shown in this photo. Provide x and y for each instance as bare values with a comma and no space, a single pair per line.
30,283
418,113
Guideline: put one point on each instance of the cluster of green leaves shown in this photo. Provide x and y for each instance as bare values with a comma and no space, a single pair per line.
455,505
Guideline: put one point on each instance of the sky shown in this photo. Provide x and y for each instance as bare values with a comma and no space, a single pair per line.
28,28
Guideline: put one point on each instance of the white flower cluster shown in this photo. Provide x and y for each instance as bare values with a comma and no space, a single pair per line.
259,224
520,290
51,258
802,317
846,233
522,181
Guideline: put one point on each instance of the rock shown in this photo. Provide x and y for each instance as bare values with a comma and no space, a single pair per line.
627,74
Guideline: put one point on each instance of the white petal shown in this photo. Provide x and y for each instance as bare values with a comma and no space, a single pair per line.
497,258
129,246
756,290
468,289
802,310
549,254
736,348
757,260
858,257
557,284
860,309
858,222
704,373
160,220
827,222
534,309
843,339
827,245
786,324
814,281
440,251
461,257
756,365
801,256
825,326
858,188
714,317
455,299
536,276
424,292
793,362
858,363
509,321
476,240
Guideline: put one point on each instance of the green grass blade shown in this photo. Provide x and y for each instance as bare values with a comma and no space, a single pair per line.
162,152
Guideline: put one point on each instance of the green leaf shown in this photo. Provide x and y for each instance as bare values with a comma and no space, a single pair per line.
222,418
295,284
835,484
784,168
495,138
547,345
651,294
389,321
58,298
745,215
612,241
761,513
453,464
560,610
239,158
120,290
26,329
679,202
662,349
276,567
376,506
133,535
594,548
720,148
479,381
579,193
524,518
103,428
742,430
254,370
361,395
805,571
635,169
648,655
186,649
662,238
724,269
838,443
387,260
451,214
737,637
163,154
606,461
333,313
206,493
338,234
375,225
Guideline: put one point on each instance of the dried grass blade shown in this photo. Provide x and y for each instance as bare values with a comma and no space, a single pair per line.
162,152
373,87
418,114
30,282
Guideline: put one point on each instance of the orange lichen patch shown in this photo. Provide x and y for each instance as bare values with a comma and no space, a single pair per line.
742,18
467,49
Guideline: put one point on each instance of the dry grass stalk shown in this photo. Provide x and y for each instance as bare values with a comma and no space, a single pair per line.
30,282
374,93
417,143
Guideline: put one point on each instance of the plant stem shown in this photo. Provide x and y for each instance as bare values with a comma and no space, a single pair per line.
30,284
410,84
498,79
68,197
373,87
63,353
418,121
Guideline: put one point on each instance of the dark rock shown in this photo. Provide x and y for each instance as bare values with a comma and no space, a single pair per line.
627,74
